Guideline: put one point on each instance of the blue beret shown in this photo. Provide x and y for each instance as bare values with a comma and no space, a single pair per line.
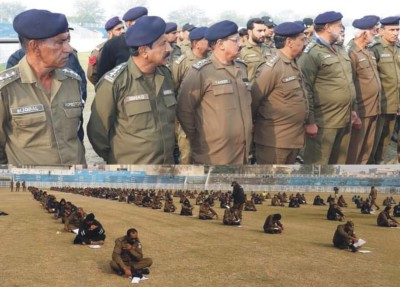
328,17
111,23
289,29
170,27
197,33
301,23
268,21
221,30
39,24
188,27
392,21
366,22
145,31
308,22
135,13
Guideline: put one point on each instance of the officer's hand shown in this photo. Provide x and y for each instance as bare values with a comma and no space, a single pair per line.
128,272
312,130
92,227
355,121
128,246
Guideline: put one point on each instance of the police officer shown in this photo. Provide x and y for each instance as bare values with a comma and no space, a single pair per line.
368,89
309,28
115,50
171,30
127,257
330,109
184,43
387,54
254,49
114,28
269,32
180,68
214,103
279,104
41,103
133,112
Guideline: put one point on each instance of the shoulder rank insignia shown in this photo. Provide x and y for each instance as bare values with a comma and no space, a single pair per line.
71,74
8,76
374,43
180,59
272,61
240,61
309,47
200,64
113,74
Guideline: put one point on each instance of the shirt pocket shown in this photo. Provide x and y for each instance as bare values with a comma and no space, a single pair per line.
31,130
224,97
140,116
170,104
71,123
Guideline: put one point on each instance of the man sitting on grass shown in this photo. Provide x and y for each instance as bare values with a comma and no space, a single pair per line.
90,232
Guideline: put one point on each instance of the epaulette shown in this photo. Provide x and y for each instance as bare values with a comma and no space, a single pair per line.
9,76
240,61
180,59
71,74
309,47
200,64
374,43
271,62
113,74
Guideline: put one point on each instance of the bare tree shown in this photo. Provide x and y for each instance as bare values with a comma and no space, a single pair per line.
88,13
189,14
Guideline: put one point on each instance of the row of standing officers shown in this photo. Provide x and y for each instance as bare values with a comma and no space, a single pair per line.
327,98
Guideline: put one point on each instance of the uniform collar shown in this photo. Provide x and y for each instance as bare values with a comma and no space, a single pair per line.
29,77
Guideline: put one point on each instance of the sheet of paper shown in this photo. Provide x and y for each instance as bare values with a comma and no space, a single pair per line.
364,251
359,243
135,280
95,246
75,230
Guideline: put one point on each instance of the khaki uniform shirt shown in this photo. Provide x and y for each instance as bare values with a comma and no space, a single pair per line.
185,45
366,80
329,84
94,57
37,128
176,53
131,121
388,58
181,66
279,104
253,56
214,109
125,257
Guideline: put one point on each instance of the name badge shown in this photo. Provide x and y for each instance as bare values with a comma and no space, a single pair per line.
326,56
362,60
136,98
27,110
288,79
168,92
386,55
222,82
72,105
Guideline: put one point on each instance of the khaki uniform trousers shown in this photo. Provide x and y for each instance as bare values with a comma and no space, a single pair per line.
329,147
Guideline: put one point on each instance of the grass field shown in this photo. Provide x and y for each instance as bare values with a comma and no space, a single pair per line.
189,252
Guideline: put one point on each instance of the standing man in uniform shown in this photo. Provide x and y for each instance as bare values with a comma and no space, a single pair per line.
127,257
171,30
115,51
114,28
41,104
373,195
133,113
330,89
12,184
214,103
239,198
180,68
269,32
387,53
279,104
184,43
368,89
254,49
